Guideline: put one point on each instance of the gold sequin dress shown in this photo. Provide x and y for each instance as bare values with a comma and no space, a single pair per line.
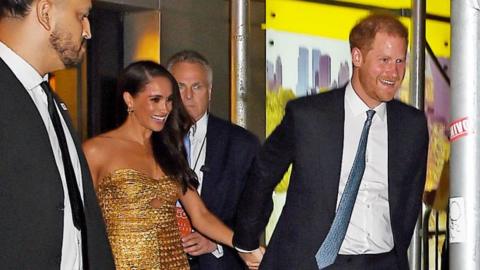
141,236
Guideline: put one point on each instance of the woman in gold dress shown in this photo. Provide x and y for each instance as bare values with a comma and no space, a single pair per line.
140,171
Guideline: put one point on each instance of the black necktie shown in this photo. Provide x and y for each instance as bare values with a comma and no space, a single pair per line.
73,191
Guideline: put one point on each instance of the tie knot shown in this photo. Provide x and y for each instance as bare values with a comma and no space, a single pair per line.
370,114
46,87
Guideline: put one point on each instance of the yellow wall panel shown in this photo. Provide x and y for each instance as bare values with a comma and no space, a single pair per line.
335,22
434,7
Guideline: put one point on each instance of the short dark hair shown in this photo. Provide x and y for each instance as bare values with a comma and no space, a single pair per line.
15,8
191,56
167,145
363,33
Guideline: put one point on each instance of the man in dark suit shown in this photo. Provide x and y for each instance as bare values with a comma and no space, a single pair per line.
221,155
49,216
319,135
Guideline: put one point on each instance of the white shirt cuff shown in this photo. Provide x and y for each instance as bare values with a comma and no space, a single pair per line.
218,253
243,250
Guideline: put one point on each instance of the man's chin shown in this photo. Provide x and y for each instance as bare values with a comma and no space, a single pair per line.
388,97
72,60
71,63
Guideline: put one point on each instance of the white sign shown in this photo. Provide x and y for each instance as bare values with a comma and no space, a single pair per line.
457,220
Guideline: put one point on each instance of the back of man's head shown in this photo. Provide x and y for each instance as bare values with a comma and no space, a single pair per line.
15,8
364,32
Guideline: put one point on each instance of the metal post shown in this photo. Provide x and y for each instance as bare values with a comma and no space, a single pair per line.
417,54
425,247
464,219
239,57
417,89
437,229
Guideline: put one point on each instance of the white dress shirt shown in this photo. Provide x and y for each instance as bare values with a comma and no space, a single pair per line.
369,231
198,152
198,148
30,79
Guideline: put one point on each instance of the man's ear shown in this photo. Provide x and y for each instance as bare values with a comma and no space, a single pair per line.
210,93
356,57
43,7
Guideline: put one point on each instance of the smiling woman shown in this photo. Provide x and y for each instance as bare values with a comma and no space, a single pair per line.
151,107
139,171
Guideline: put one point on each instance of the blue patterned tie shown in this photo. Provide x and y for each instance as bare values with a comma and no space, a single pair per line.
186,143
331,245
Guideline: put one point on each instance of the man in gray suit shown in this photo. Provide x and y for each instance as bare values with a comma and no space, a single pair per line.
49,216
359,163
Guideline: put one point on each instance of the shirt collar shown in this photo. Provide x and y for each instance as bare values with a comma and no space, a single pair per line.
199,130
358,107
24,72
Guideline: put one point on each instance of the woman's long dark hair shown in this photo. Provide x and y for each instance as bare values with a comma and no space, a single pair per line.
167,145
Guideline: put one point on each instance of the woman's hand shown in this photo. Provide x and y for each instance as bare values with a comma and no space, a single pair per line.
252,259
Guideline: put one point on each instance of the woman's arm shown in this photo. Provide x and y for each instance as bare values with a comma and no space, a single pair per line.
203,220
91,150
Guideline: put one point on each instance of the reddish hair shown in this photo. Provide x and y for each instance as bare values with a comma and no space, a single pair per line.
364,32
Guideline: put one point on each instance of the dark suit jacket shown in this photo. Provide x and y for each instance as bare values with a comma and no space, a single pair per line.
31,193
229,156
310,137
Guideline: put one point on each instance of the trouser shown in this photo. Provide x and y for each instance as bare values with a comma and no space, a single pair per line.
193,261
382,261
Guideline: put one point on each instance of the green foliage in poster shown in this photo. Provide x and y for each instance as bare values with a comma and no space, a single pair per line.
276,102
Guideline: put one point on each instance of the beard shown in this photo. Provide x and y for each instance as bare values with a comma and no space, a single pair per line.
62,42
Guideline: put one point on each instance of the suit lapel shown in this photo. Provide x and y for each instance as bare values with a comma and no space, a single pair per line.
395,144
23,102
14,89
323,133
66,117
86,179
332,147
217,144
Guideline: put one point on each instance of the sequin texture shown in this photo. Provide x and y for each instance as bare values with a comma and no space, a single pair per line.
142,236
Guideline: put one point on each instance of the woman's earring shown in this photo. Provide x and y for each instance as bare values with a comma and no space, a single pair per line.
130,110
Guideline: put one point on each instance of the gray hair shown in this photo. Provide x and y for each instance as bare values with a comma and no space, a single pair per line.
191,56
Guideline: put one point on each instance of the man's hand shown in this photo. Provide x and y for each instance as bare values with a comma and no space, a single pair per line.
196,244
253,259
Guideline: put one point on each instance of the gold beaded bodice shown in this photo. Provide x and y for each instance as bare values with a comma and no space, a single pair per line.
142,236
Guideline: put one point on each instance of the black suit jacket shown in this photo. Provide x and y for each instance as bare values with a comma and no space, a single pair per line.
310,137
31,193
229,156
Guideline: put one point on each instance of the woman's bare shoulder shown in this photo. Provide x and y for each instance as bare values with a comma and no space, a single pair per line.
102,152
101,144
